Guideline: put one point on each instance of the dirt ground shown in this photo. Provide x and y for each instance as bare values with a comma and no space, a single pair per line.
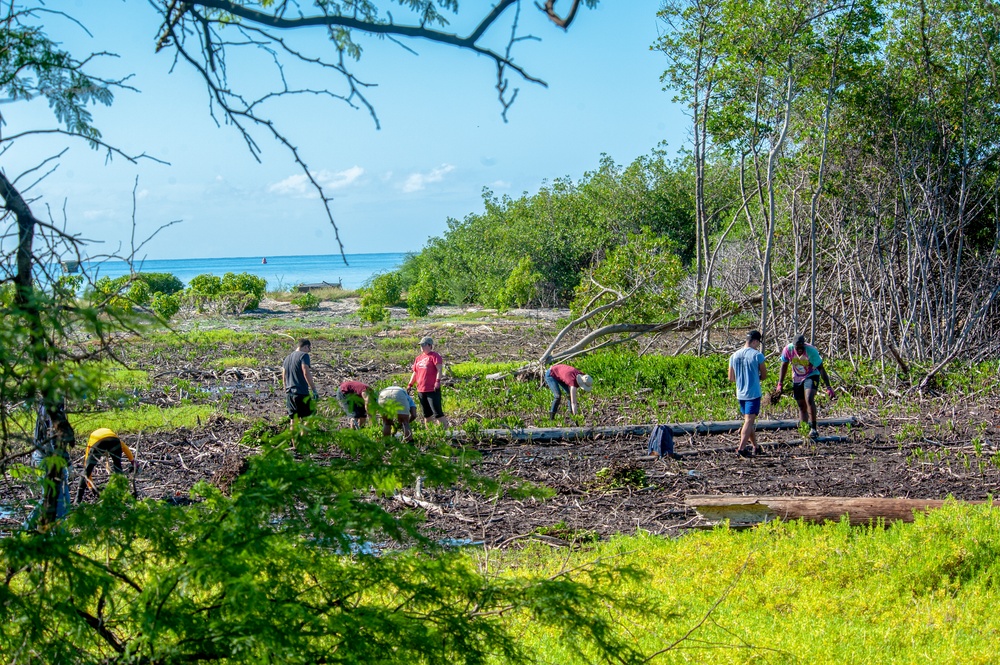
602,487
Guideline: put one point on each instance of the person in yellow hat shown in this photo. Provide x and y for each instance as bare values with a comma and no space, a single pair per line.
102,441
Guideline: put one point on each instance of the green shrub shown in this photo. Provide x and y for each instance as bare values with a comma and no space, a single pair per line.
165,305
206,285
161,282
306,301
421,296
139,293
374,313
385,289
382,291
521,285
244,282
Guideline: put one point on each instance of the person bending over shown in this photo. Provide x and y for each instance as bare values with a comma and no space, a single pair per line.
566,379
102,442
400,411
355,398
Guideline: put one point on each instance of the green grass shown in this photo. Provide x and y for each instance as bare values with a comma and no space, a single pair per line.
331,294
233,361
794,593
142,418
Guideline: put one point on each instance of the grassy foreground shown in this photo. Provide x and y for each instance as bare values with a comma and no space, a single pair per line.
794,593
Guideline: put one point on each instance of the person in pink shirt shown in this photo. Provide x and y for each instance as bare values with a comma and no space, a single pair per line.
428,370
355,399
565,379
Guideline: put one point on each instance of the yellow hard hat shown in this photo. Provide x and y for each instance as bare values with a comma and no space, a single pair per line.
98,434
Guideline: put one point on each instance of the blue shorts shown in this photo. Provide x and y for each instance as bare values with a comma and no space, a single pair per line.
750,406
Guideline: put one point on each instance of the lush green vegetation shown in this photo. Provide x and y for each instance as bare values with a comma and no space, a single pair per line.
253,577
796,593
534,250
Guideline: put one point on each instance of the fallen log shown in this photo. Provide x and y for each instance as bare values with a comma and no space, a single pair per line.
748,510
541,434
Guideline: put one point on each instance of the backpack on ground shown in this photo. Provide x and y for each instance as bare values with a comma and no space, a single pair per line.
661,442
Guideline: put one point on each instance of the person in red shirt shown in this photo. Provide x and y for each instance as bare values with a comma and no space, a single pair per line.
566,379
428,369
356,399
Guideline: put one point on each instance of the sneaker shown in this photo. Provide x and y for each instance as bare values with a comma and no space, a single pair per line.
745,452
813,434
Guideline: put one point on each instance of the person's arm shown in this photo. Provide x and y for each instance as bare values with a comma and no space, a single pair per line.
732,372
781,374
440,374
307,373
413,379
763,370
826,379
572,400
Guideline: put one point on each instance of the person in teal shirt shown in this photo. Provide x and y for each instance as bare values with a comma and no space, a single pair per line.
807,370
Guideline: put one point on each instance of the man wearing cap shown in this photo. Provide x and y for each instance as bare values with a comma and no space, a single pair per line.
747,370
399,411
102,441
428,369
296,377
355,398
807,369
566,379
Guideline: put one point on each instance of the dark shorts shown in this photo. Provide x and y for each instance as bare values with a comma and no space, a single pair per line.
298,405
430,404
354,405
750,406
810,385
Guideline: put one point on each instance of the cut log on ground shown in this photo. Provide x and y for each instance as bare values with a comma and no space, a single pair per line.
541,434
748,510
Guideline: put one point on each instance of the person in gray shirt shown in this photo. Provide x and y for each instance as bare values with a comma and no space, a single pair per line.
296,376
747,370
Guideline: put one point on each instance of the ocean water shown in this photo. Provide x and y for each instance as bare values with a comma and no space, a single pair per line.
281,272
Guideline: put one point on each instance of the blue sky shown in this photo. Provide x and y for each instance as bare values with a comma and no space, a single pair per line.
442,138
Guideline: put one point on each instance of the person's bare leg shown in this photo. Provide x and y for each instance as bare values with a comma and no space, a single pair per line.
404,422
443,422
386,426
746,431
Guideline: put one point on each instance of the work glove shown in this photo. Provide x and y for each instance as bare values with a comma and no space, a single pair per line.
777,388
315,395
829,392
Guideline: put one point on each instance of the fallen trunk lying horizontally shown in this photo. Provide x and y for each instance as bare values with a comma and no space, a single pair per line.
540,434
747,510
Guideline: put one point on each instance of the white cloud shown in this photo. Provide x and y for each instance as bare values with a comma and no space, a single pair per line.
340,179
293,185
418,181
299,185
500,184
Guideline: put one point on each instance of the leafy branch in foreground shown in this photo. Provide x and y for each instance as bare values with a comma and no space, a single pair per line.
281,571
